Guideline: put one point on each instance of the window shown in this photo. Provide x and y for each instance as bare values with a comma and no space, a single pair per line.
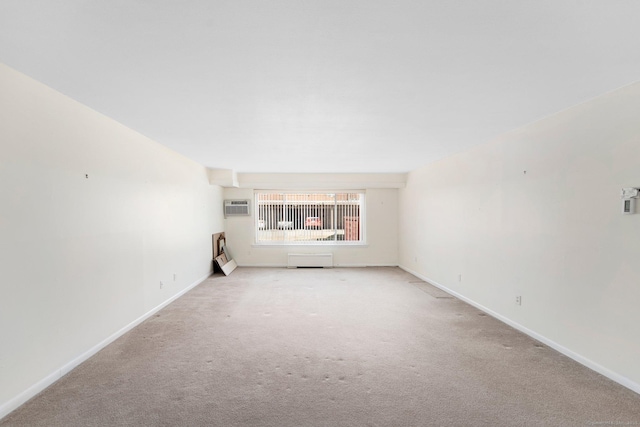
309,218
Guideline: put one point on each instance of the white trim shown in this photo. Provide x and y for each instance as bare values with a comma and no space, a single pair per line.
262,265
620,379
334,266
331,243
310,244
364,265
14,403
310,260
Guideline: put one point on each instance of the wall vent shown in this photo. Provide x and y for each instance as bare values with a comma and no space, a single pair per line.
236,208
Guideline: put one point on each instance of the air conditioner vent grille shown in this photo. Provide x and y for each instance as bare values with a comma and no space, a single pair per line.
236,208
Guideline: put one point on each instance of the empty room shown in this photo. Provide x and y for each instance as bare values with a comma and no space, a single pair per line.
319,213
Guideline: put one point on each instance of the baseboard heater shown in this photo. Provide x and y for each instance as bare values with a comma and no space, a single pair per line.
310,260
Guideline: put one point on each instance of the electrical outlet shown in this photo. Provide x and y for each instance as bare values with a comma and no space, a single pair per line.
174,277
518,300
459,277
161,285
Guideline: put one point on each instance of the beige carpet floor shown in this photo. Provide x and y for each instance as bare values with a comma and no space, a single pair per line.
333,347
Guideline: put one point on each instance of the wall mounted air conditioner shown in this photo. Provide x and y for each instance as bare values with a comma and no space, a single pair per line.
236,208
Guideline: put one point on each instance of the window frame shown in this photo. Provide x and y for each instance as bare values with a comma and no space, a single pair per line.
362,219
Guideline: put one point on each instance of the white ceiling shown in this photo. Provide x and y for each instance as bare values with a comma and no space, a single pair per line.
324,85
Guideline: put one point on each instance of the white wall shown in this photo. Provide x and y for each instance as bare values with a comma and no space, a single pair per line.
81,258
381,233
554,235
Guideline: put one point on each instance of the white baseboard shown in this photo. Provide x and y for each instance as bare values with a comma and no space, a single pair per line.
334,266
13,404
620,379
262,265
365,265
